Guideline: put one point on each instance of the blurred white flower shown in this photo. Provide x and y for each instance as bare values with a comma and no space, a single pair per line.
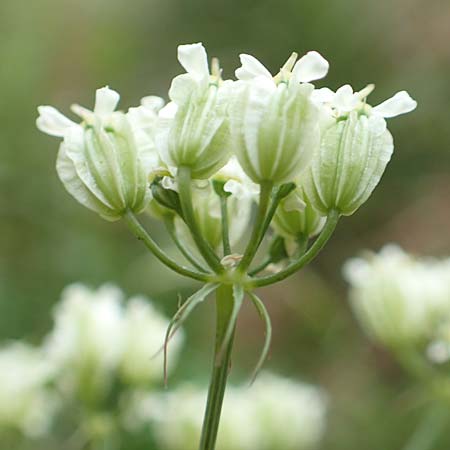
86,342
275,413
398,298
100,162
26,403
143,336
96,340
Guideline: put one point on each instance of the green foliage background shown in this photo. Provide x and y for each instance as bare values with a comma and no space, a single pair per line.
59,52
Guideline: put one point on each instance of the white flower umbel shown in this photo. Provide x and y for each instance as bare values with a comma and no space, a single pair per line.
86,342
355,149
98,339
274,123
275,413
193,129
26,403
100,161
397,298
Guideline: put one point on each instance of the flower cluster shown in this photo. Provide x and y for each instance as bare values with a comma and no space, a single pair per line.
398,298
274,413
96,340
272,129
305,156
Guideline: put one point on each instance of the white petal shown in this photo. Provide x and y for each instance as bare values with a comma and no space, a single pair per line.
400,103
194,59
310,67
251,68
345,100
52,122
323,95
169,111
106,101
152,102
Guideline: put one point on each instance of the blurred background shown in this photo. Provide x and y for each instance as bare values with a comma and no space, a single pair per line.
57,53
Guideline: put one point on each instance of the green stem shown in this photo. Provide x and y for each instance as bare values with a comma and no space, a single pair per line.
138,230
332,220
184,184
225,231
181,247
258,230
224,308
260,267
429,430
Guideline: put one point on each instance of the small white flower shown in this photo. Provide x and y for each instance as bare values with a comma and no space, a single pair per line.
193,129
101,162
274,122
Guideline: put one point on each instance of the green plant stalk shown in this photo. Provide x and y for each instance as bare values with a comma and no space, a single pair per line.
224,308
258,230
184,184
181,247
225,231
139,231
332,220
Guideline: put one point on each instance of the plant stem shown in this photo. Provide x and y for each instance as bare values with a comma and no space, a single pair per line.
225,231
184,184
258,230
332,220
183,250
138,230
224,309
260,267
429,430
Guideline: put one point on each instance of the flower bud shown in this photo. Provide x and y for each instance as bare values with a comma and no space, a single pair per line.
207,212
296,218
100,162
354,151
274,122
193,129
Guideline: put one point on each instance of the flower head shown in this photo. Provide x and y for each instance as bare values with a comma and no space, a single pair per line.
354,151
274,122
193,129
100,161
398,298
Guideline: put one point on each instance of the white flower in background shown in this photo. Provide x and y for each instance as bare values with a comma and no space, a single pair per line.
207,211
86,342
296,219
274,122
100,161
354,152
397,298
97,339
193,129
26,403
144,331
275,413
